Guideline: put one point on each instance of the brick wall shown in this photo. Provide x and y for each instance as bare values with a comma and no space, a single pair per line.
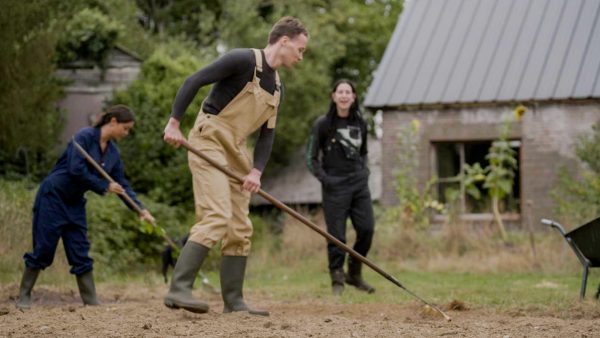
548,134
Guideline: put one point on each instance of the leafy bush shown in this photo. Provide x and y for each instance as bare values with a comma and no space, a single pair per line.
154,167
414,206
577,198
117,236
30,122
118,244
88,36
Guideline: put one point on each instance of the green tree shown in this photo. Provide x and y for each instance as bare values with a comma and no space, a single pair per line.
30,123
123,15
88,36
205,23
347,39
153,166
364,28
161,171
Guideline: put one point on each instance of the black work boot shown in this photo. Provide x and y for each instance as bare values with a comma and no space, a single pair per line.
337,281
87,289
354,276
184,274
27,282
233,270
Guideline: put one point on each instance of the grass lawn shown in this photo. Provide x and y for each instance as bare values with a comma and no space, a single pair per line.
297,269
310,279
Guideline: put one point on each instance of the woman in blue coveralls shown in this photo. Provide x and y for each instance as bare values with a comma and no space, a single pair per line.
59,207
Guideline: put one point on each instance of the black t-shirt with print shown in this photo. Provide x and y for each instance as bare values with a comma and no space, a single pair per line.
337,152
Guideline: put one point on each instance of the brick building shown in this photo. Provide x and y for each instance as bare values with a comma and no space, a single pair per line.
460,67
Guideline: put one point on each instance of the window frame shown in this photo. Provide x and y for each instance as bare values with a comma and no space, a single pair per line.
464,215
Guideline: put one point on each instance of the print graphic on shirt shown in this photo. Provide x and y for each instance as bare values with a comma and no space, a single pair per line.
350,138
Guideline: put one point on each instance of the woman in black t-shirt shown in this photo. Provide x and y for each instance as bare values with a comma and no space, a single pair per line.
337,156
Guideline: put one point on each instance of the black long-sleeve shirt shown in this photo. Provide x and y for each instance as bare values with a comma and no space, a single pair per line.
230,73
339,152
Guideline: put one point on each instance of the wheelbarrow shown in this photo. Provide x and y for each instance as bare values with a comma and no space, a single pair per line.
585,242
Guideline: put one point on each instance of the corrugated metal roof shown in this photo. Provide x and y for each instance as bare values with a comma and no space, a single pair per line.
468,51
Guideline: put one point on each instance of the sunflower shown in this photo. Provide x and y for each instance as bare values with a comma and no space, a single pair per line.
519,112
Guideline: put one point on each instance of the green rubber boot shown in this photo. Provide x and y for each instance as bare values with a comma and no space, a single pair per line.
184,274
87,289
233,270
27,282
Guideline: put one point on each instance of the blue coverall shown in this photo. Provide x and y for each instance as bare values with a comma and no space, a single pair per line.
59,207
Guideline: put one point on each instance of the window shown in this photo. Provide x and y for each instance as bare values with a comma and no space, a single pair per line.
450,160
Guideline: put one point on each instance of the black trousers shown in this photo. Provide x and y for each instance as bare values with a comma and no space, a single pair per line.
345,197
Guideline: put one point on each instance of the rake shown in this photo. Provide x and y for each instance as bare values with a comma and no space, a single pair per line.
315,228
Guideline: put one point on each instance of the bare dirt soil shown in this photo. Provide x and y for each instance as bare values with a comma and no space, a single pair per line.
137,311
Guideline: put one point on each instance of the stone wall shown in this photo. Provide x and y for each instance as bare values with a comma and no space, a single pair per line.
548,133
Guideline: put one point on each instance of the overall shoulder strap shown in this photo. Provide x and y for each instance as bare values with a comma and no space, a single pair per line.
258,67
258,58
277,81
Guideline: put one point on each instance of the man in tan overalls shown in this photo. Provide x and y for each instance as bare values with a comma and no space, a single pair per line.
245,97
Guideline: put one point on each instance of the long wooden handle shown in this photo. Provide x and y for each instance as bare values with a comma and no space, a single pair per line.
292,212
311,225
103,172
127,198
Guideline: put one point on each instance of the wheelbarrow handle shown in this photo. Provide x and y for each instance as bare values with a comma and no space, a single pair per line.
555,225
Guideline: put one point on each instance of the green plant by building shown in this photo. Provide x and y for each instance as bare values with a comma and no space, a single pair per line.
88,36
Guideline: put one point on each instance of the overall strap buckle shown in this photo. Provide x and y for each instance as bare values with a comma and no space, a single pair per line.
258,69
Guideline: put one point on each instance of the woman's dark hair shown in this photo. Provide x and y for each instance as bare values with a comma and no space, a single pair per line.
355,114
122,113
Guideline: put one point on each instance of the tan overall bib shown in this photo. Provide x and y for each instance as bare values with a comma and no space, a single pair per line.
222,206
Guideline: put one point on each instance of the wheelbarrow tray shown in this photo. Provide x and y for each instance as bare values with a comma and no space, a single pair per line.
587,239
585,242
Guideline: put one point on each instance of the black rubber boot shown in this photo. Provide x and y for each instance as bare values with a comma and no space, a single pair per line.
233,270
184,274
87,289
337,281
354,276
27,282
